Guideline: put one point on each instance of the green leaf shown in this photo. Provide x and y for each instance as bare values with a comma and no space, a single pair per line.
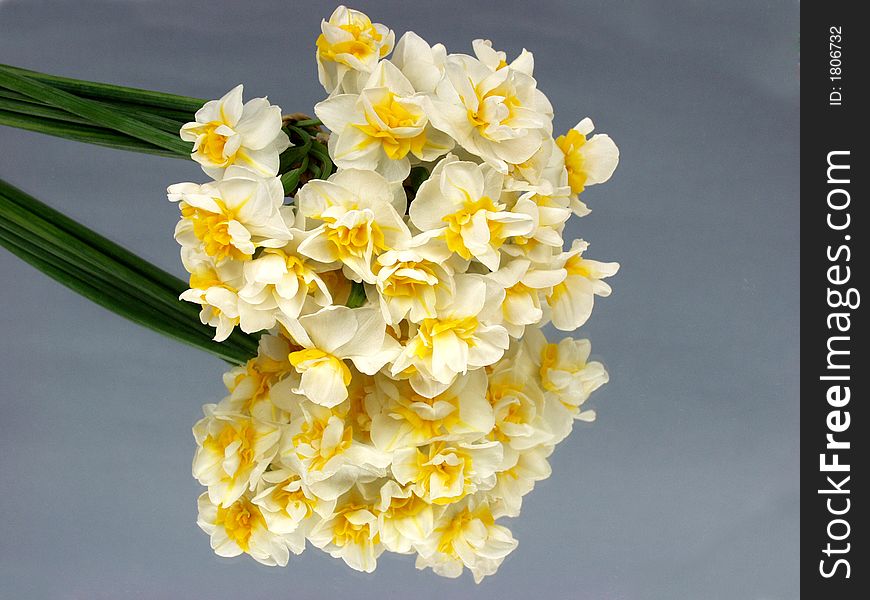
83,133
118,303
99,242
115,93
106,273
95,112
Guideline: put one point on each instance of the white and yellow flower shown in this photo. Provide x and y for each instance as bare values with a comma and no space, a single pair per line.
289,508
461,201
519,407
524,283
351,533
405,418
281,280
466,535
404,519
496,114
215,288
321,447
233,450
383,127
240,528
231,218
412,282
349,48
328,338
251,385
459,339
228,132
444,473
572,300
566,371
355,219
421,63
517,477
588,161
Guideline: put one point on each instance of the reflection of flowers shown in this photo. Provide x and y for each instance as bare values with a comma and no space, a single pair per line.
403,397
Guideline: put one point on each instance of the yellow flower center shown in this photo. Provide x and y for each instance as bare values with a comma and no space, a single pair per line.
409,278
461,219
213,230
203,279
464,328
240,520
213,144
347,532
402,508
228,435
449,471
394,115
575,266
425,429
309,357
296,497
481,119
354,241
578,267
311,433
570,144
365,42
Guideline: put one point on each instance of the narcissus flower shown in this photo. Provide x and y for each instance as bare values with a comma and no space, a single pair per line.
458,340
349,45
215,288
461,201
412,282
404,519
351,534
231,218
289,508
383,127
228,132
524,283
566,371
355,220
405,418
240,528
466,535
496,114
445,473
234,450
571,301
281,281
589,161
328,338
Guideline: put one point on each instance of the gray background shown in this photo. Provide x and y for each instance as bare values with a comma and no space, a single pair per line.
686,487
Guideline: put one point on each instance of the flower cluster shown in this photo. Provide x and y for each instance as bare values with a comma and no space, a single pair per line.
403,397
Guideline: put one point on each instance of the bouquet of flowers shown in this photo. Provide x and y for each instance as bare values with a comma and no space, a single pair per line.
379,288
